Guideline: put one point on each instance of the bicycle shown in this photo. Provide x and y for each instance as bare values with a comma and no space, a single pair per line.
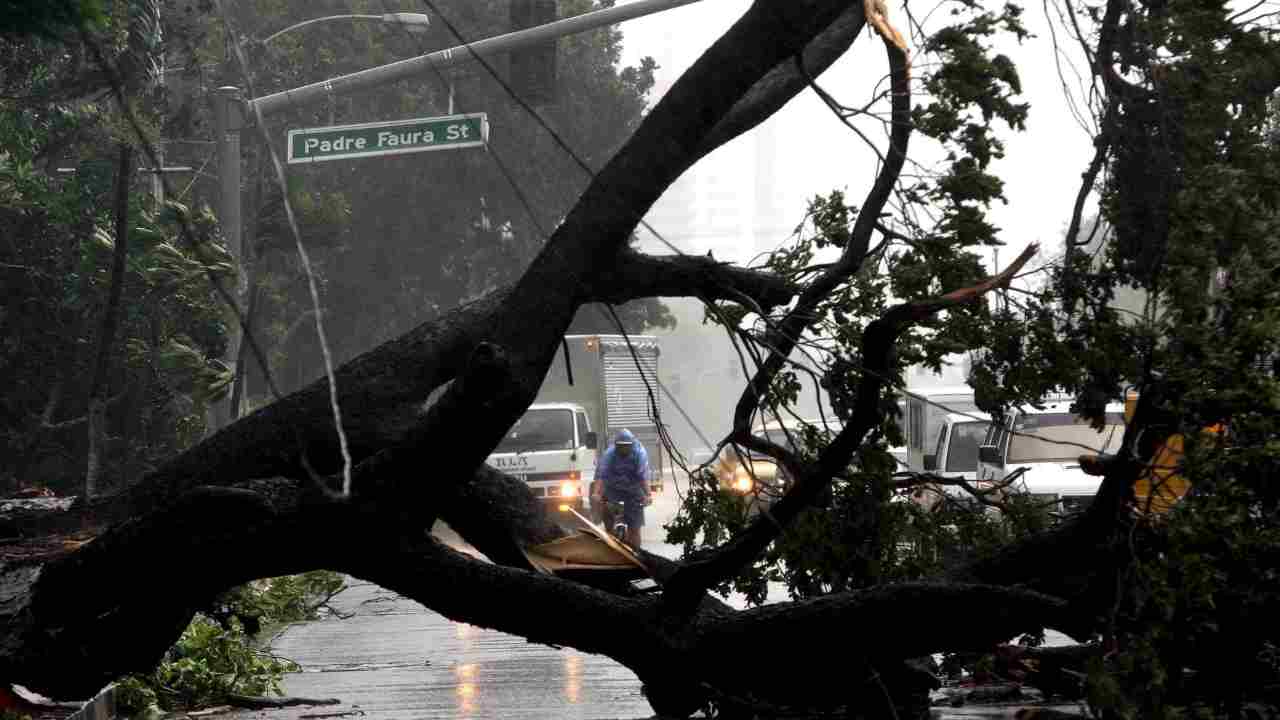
615,519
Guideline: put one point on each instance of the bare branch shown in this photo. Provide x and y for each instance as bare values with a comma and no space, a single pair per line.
638,275
792,326
864,620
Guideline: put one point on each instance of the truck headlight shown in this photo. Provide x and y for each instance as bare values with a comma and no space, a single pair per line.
568,489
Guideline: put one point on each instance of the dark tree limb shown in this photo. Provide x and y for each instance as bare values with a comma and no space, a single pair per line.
69,644
498,516
638,275
873,622
878,627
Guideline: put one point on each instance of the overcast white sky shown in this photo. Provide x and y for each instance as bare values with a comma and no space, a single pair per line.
814,153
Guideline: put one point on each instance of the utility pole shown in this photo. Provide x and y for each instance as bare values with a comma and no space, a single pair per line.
231,114
228,121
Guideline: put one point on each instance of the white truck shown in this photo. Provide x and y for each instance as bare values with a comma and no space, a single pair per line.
927,410
606,386
1048,441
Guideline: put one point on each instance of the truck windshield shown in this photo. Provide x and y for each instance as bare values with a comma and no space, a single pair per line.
539,430
962,456
1061,437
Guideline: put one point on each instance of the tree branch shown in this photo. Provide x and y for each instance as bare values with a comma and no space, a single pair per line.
638,275
783,338
878,622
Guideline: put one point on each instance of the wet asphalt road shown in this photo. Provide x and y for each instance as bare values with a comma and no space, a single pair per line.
394,659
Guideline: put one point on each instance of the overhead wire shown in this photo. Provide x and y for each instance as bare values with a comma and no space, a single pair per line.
532,112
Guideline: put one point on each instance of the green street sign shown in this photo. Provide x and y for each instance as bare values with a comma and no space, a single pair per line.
394,137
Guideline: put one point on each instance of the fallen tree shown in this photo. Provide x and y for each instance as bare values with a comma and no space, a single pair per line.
261,497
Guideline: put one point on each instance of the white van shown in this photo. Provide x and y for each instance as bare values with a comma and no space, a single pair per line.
1048,441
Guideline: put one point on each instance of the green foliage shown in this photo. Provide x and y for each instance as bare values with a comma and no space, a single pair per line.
218,653
1190,210
56,112
49,18
287,599
56,266
1191,241
208,663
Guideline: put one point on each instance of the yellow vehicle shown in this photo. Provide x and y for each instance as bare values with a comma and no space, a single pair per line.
1161,484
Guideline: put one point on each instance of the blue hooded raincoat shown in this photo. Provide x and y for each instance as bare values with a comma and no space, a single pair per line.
624,478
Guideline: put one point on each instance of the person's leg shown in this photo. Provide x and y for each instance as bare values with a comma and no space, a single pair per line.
635,521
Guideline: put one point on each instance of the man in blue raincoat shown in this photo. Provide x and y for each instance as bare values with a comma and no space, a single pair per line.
622,475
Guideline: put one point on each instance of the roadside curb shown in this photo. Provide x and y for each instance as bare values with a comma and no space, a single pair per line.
101,707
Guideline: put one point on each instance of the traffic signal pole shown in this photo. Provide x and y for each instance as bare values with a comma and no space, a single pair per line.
232,113
373,77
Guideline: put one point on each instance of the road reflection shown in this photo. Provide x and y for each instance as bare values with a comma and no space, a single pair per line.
465,676
572,676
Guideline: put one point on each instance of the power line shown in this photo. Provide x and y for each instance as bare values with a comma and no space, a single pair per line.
559,140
